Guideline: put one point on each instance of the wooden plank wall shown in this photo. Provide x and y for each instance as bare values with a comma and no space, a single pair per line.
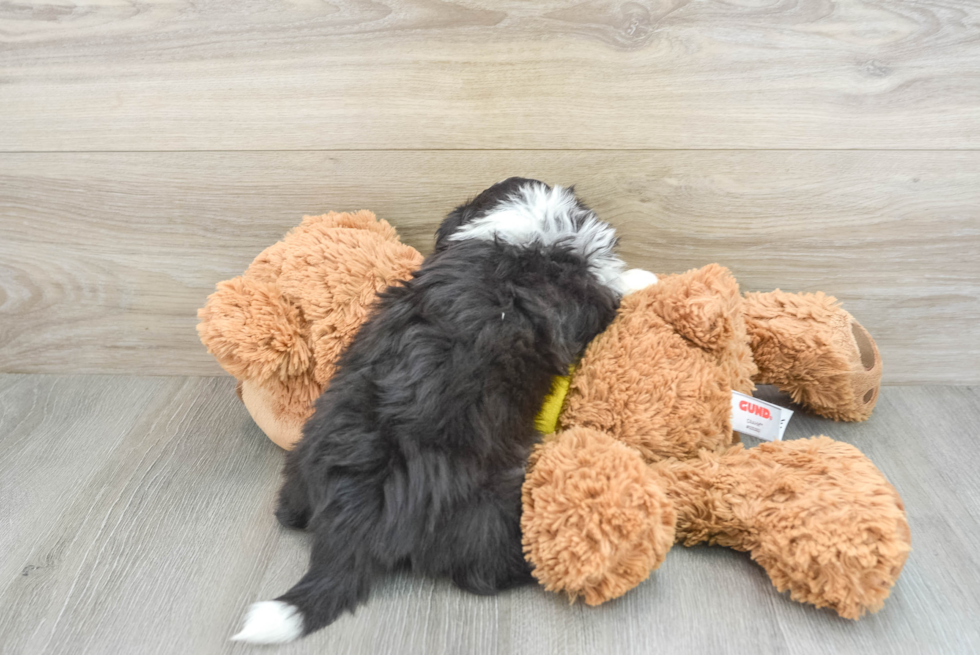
150,150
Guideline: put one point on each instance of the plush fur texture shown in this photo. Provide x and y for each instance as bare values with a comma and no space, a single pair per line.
645,439
594,518
280,327
810,347
652,388
415,454
660,377
815,513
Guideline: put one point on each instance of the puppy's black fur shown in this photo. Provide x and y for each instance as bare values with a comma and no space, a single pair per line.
415,454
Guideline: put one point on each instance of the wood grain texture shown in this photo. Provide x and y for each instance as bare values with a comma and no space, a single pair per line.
427,74
137,518
105,257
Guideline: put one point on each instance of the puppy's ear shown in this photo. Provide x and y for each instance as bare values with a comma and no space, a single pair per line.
480,206
456,218
577,324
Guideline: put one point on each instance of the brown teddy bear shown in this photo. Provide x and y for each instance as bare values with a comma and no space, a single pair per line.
644,454
642,448
280,327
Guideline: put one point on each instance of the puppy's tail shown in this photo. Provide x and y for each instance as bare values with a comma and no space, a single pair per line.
271,622
325,592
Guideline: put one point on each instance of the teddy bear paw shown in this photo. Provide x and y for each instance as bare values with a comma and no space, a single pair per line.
595,521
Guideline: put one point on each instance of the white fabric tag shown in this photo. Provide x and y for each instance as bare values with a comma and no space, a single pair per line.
759,419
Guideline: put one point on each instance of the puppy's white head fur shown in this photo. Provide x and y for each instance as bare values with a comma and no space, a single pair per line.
536,214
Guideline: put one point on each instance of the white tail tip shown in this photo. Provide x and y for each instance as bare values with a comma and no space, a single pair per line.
271,622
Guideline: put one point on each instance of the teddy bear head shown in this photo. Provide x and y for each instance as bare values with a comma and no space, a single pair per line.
660,378
280,327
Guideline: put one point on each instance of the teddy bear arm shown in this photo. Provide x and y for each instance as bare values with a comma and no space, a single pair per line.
595,522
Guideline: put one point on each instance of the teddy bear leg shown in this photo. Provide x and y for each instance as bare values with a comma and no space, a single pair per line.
818,516
809,347
595,521
274,408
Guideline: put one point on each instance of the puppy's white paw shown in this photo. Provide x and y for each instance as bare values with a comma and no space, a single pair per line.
636,279
271,622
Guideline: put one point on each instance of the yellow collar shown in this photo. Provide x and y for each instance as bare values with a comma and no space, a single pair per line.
546,421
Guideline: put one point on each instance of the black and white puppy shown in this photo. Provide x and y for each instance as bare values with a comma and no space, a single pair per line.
415,454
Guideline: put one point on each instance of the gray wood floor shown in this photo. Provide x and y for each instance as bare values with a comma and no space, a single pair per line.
136,517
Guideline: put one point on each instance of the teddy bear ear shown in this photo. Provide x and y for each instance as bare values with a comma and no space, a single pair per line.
267,267
703,305
334,274
370,267
253,331
343,260
359,220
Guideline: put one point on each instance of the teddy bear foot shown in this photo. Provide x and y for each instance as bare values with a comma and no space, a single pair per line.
265,405
818,516
809,347
595,521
